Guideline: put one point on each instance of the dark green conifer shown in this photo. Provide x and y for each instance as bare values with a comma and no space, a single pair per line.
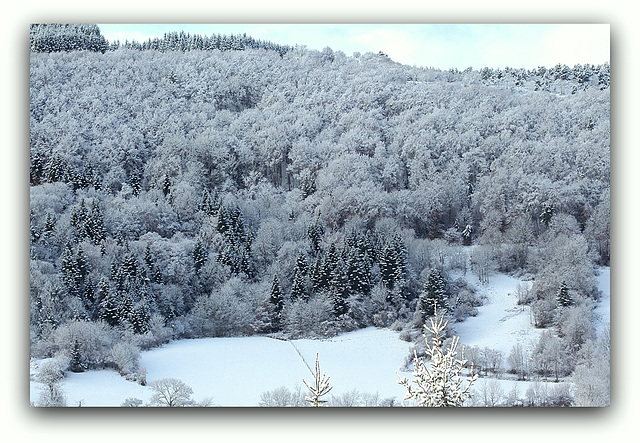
433,295
276,300
77,363
563,298
199,256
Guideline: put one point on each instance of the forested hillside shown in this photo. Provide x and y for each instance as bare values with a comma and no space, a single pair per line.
189,192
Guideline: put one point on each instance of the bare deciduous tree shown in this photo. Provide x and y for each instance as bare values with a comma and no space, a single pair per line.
170,392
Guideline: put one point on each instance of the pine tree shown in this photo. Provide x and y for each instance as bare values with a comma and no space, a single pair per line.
35,232
139,317
390,265
77,363
49,226
125,308
315,233
82,265
109,305
546,214
69,273
298,286
299,282
358,270
246,266
199,256
433,294
320,387
79,219
130,265
100,293
400,271
277,302
166,186
206,204
319,277
563,298
301,264
339,285
439,384
95,224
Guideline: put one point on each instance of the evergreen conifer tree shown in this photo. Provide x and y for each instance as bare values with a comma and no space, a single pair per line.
109,305
77,363
95,224
320,387
301,264
199,256
49,226
439,383
563,298
339,285
358,271
299,282
69,273
166,186
433,294
277,302
319,277
546,214
206,204
315,233
298,286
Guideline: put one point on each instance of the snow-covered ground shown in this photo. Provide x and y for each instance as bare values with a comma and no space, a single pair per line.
603,308
500,323
236,371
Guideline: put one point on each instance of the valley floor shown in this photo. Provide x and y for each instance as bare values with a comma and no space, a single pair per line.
236,371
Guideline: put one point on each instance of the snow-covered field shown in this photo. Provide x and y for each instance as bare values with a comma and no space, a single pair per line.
236,371
603,309
500,323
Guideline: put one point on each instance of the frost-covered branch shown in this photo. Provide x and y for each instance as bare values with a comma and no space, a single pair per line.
320,388
439,384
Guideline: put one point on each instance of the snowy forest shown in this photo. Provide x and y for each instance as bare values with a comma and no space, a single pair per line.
223,186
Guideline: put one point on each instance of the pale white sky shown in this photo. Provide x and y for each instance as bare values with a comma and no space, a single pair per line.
435,45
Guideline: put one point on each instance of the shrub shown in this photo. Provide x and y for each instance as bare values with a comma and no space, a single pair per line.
126,358
282,397
94,339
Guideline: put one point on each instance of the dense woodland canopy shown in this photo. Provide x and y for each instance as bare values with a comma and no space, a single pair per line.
178,190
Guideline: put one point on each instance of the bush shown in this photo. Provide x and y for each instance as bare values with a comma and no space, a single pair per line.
50,374
282,397
524,294
126,358
158,334
542,395
465,302
220,315
94,339
542,312
131,403
309,319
